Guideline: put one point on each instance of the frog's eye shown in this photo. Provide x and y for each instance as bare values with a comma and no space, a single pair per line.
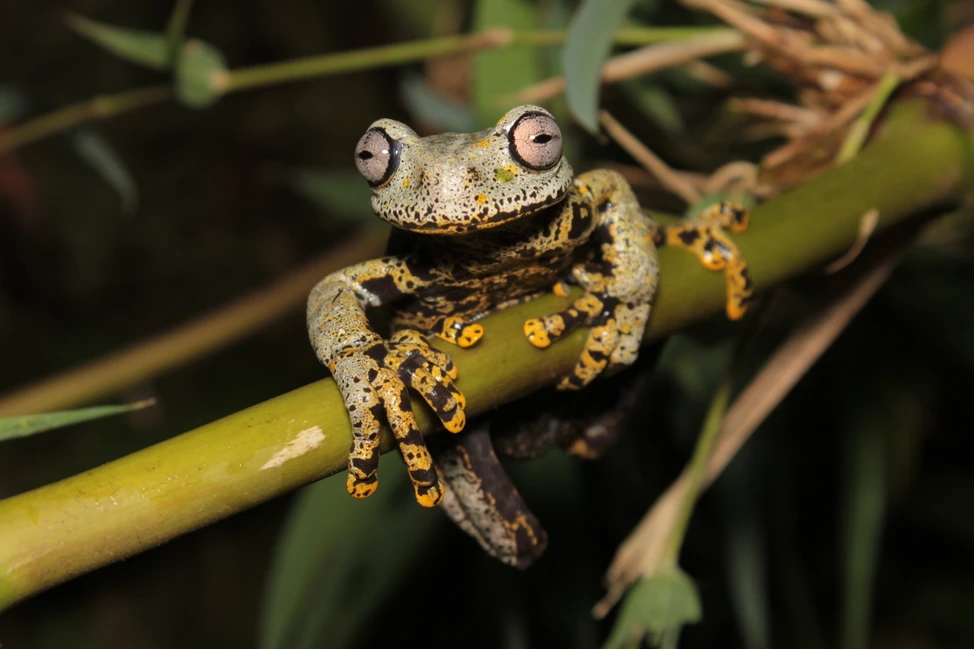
535,141
377,156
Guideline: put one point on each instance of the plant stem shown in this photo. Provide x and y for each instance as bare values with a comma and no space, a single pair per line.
698,463
139,501
258,76
63,119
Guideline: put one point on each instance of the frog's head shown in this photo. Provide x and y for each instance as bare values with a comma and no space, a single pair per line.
457,183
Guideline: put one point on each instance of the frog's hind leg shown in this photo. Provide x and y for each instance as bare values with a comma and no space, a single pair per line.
585,427
705,236
481,499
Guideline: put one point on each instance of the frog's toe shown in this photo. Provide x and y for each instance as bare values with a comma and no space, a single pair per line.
601,343
458,331
541,332
419,464
417,343
631,325
361,487
437,390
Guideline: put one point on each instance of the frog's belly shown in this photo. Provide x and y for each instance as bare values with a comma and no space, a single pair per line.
473,298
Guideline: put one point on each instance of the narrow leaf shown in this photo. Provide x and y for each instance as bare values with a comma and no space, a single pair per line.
864,510
176,27
14,427
144,48
339,559
97,152
589,43
503,71
343,193
656,103
433,108
656,608
201,74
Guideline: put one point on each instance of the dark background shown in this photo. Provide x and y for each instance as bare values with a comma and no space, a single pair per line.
218,215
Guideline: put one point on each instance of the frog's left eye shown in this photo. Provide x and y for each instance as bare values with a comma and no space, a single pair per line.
535,141
377,156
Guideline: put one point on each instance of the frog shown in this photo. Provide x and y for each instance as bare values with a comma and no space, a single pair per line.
482,221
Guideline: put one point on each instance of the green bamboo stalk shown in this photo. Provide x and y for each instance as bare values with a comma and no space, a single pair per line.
73,526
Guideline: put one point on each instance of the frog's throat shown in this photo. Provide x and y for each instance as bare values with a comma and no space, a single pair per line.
478,222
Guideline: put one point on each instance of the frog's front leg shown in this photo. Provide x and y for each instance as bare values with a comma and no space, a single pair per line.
373,374
704,235
619,283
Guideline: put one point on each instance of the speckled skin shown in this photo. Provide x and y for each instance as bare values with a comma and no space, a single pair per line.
490,219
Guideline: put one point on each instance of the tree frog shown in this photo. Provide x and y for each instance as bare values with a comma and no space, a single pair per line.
482,221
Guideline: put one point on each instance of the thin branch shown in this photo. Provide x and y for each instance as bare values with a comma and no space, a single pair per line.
668,178
640,62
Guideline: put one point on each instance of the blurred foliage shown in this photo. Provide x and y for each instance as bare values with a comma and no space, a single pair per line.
849,527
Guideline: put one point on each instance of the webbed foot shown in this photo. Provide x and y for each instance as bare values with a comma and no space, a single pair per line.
704,235
617,329
373,381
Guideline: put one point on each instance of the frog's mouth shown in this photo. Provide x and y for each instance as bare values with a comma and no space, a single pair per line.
475,220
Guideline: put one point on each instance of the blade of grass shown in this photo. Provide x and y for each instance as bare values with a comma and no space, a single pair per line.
27,425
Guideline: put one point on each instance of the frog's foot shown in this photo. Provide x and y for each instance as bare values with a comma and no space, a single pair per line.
482,500
455,330
705,237
373,381
613,341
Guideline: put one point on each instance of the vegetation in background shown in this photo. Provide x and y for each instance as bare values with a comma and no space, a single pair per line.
172,191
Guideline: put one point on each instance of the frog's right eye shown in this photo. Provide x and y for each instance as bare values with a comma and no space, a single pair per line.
377,156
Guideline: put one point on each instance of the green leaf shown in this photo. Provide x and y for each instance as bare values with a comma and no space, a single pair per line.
97,152
433,108
745,548
339,559
657,104
656,608
344,193
201,74
176,27
149,49
499,72
863,513
589,43
14,427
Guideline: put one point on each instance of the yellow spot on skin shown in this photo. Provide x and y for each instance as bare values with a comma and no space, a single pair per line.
506,174
483,144
360,489
457,422
421,457
481,199
432,497
407,182
560,289
470,335
536,333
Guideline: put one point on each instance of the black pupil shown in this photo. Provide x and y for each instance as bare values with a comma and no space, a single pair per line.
544,138
365,155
